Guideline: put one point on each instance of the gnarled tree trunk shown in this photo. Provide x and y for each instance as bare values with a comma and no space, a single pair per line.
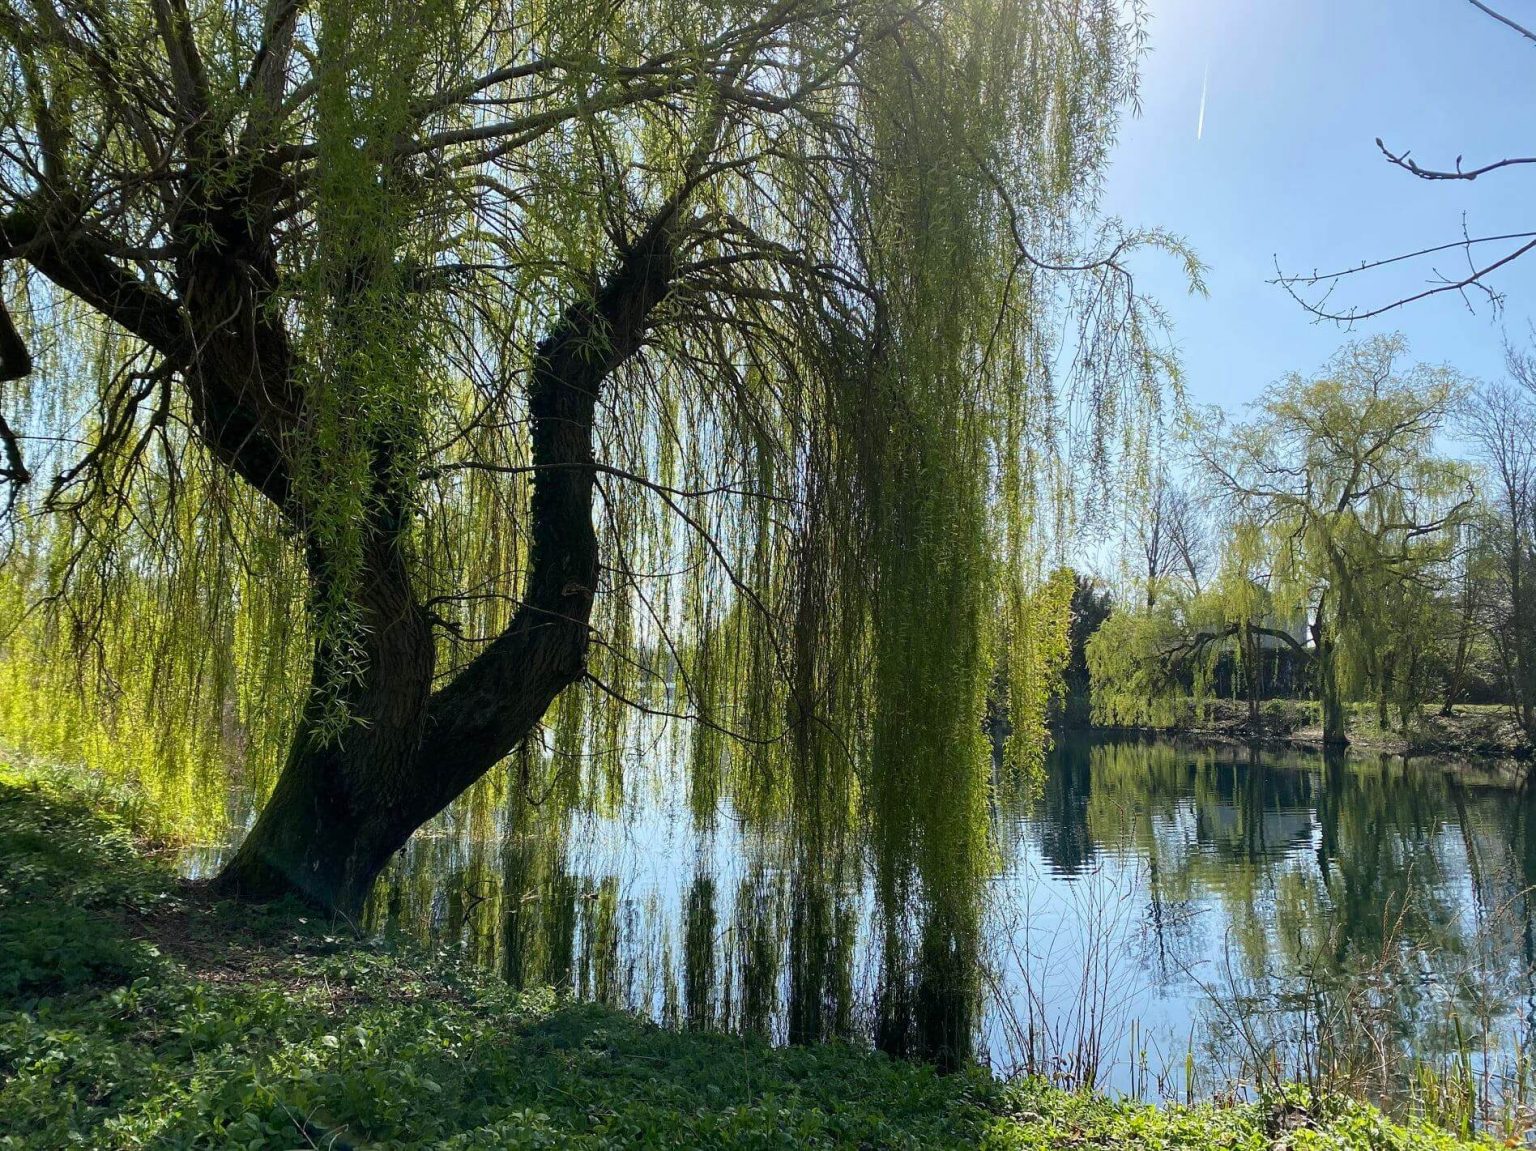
343,807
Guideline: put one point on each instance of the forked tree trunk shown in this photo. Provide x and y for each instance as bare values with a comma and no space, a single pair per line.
343,807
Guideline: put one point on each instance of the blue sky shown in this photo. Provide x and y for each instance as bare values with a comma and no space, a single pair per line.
1286,168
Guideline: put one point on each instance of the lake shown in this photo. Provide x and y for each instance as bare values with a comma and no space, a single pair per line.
1149,917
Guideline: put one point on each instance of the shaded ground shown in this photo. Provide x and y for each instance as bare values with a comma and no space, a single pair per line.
135,1013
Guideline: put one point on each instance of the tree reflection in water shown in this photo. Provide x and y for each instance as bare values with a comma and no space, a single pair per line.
1276,909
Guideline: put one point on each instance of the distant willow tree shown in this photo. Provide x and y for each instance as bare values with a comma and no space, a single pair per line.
1340,537
1336,484
1146,664
439,356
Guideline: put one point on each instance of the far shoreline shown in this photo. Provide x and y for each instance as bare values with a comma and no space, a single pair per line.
1474,736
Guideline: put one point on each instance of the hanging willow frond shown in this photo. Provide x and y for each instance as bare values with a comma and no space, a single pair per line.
290,274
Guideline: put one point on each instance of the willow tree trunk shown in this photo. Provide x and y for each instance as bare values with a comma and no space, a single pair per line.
1325,655
343,806
1253,653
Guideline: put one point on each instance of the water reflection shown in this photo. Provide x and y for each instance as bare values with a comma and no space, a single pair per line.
1144,903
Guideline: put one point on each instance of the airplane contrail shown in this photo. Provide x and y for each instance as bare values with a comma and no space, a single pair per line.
1204,87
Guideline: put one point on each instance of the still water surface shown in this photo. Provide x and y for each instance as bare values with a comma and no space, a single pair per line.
1148,909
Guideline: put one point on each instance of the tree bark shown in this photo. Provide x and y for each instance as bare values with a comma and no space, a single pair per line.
342,808
1328,683
1456,680
1252,653
1520,650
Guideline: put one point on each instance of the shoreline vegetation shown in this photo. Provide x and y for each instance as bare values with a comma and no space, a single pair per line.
137,1011
1482,734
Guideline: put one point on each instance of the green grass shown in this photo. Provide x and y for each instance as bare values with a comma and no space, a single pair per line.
1474,731
134,1013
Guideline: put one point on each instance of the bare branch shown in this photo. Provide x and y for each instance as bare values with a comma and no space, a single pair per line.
1503,19
1408,164
1474,279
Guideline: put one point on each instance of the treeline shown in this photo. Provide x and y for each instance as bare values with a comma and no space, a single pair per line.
1366,535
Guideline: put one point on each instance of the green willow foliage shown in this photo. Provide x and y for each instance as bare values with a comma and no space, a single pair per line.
368,344
1339,484
822,481
1342,529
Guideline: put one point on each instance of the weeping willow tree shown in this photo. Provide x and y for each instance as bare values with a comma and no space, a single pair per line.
1336,482
387,382
1342,525
1152,666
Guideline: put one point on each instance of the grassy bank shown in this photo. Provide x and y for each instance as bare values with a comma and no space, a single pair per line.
135,1013
1472,731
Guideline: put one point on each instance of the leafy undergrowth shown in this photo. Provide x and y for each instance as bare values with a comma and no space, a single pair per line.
135,1013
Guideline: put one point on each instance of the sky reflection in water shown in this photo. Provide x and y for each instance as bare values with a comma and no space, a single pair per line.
1141,899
